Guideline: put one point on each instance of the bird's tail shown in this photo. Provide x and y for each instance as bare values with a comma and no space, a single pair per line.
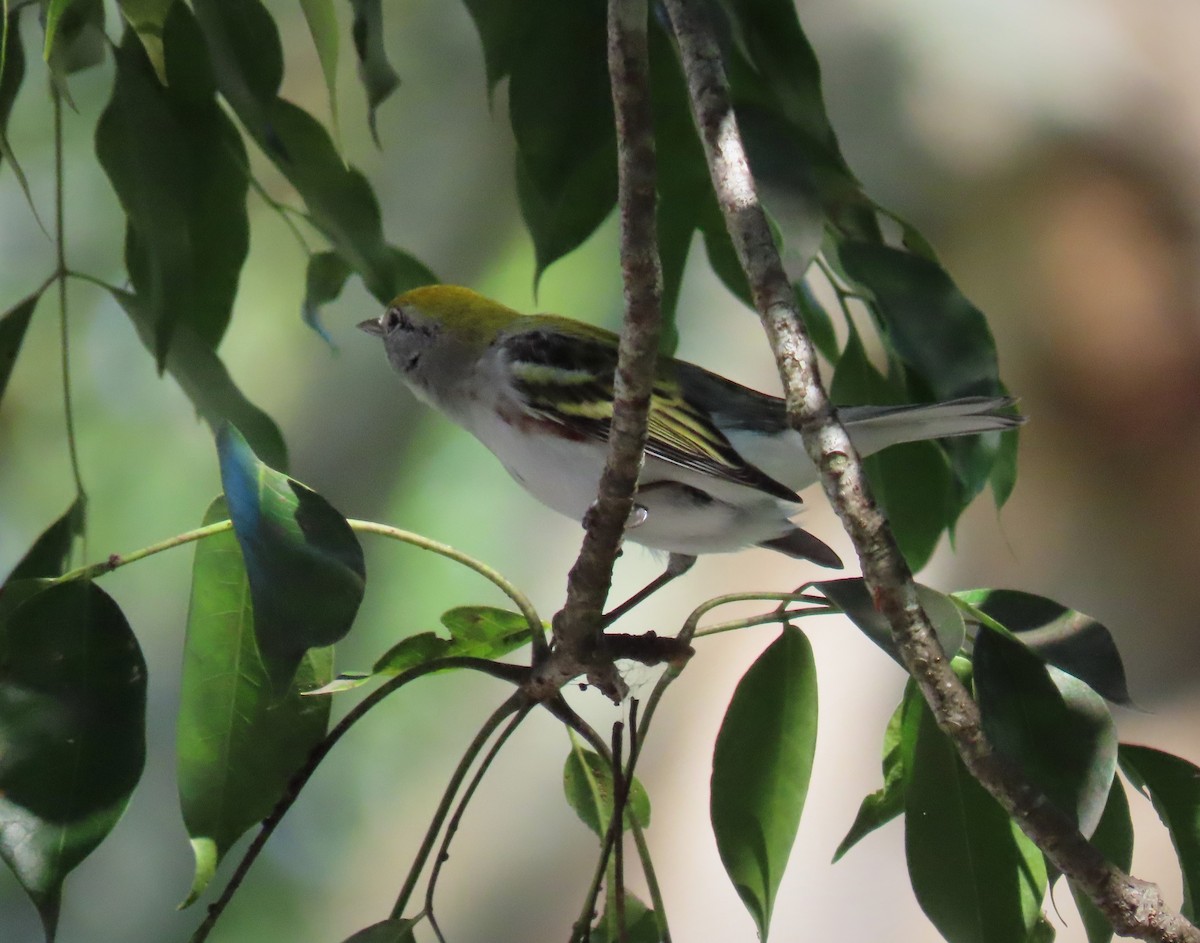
876,427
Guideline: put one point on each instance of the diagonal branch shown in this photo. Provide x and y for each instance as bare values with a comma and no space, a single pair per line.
577,628
1132,906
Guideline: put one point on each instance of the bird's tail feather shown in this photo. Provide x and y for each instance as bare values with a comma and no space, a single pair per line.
876,427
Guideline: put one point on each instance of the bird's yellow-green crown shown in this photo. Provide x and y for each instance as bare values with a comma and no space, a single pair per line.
462,311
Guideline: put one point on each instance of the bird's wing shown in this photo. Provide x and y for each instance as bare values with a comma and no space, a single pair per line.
568,379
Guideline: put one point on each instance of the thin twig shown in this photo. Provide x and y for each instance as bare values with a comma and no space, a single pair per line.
577,628
301,777
1134,907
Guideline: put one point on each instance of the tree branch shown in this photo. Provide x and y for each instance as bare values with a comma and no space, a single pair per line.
578,633
1133,907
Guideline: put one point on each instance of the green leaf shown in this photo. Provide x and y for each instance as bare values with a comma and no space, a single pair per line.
323,27
641,925
49,553
304,564
237,745
1052,726
13,324
178,167
884,804
560,106
976,878
762,763
911,482
854,599
588,784
392,930
12,74
326,275
375,72
409,652
1069,640
501,25
147,17
72,721
76,41
1114,839
1173,785
485,631
203,378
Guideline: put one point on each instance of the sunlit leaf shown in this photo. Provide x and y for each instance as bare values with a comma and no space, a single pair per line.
1051,725
976,878
147,18
1173,785
203,378
854,599
304,564
485,631
13,324
323,27
49,553
375,72
1114,839
237,743
762,763
588,784
1059,636
72,721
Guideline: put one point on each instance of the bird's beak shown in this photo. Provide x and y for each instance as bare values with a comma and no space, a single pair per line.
372,326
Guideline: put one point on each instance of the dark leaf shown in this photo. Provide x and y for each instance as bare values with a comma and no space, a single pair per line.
72,721
588,784
12,74
326,275
1173,785
203,378
378,77
762,763
1051,725
304,564
393,930
501,25
560,106
49,553
977,878
13,324
854,599
1114,839
147,17
641,925
75,38
178,166
237,745
1059,636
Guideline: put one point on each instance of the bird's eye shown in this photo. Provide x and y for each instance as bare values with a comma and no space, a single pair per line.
392,321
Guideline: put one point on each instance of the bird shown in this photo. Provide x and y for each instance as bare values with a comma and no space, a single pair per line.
722,469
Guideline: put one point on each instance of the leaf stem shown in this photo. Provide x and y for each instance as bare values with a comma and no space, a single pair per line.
514,703
117,560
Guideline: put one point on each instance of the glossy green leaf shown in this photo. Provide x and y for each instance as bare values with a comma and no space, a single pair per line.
641,925
1114,839
72,721
887,802
237,743
762,763
375,72
49,554
323,27
178,166
977,878
588,784
248,67
202,376
560,106
323,282
304,564
147,17
1059,636
485,631
1173,785
13,324
392,930
1051,725
854,599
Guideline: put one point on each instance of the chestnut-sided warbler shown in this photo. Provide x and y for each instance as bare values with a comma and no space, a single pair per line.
721,469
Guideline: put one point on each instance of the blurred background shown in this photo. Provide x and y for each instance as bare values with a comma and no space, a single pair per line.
1049,151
